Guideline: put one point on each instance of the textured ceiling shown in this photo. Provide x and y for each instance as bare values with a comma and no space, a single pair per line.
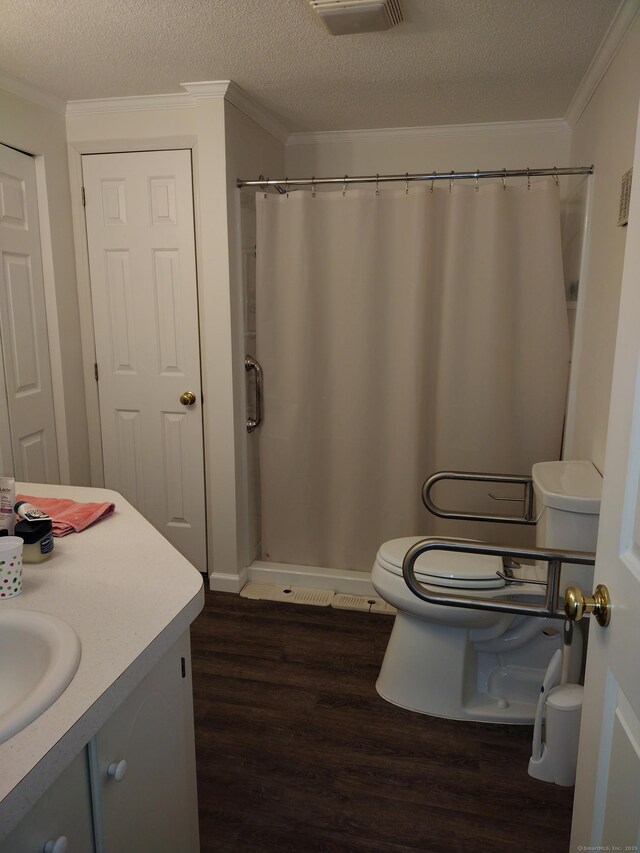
450,62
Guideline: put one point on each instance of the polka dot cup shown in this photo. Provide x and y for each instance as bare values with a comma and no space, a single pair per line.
10,566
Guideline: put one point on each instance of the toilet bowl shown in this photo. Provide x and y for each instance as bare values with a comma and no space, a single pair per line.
480,665
460,663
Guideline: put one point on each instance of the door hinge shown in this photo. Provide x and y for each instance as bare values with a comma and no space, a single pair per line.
95,371
84,198
183,667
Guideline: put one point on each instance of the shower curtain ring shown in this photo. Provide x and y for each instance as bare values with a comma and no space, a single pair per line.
477,176
406,182
377,180
528,179
345,183
555,176
451,174
504,179
433,180
313,187
286,186
264,186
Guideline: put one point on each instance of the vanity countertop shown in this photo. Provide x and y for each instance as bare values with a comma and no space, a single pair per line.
129,595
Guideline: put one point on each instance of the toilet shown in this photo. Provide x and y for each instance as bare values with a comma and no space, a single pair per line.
482,665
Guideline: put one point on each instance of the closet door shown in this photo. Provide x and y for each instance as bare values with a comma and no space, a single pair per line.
23,328
140,232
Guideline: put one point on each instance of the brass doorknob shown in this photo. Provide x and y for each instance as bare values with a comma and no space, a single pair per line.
187,398
576,604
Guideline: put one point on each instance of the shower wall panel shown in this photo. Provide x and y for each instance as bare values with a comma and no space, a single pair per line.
248,225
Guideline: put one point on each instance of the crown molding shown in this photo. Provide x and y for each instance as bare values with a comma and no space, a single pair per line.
239,98
131,103
140,103
609,46
30,93
232,93
207,88
431,132
211,89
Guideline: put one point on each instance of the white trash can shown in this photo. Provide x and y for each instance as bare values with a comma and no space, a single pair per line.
562,731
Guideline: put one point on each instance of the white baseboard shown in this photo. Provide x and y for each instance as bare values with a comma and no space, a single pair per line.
355,583
226,582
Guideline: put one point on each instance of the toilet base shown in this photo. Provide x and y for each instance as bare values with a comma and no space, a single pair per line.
437,670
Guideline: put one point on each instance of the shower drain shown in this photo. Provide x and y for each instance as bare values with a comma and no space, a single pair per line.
315,597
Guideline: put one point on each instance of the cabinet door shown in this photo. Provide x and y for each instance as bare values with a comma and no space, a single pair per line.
152,808
63,810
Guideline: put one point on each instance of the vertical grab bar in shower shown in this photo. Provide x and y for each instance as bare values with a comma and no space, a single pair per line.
250,363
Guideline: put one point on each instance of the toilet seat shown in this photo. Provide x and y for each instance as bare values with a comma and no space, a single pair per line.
443,568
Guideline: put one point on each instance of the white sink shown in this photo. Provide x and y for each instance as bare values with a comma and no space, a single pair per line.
39,655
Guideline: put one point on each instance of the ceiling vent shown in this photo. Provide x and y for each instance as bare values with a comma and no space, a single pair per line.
345,17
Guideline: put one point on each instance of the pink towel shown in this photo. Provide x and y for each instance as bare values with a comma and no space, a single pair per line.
69,516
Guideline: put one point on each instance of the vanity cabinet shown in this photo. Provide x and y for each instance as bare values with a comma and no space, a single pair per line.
143,761
133,789
64,811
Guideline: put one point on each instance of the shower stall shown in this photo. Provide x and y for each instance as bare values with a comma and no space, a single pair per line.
400,330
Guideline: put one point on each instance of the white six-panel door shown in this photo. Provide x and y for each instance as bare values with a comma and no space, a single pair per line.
140,233
28,405
606,812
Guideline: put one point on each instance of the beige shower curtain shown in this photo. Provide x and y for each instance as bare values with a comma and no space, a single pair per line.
401,334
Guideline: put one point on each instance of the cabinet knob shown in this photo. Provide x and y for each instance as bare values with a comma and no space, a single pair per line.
60,845
117,769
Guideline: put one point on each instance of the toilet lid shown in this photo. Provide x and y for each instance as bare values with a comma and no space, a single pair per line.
443,568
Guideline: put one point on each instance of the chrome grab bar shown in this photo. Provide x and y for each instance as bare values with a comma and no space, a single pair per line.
554,559
251,364
527,516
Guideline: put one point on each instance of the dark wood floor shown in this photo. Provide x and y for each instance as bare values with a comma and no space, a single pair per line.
297,753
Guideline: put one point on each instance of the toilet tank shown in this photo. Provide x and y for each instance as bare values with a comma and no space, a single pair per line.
567,507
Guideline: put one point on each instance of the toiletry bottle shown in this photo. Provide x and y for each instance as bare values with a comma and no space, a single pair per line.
7,500
30,512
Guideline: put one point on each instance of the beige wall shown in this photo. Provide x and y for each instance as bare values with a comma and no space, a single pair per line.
147,124
225,144
200,126
250,150
41,132
98,132
605,136
479,147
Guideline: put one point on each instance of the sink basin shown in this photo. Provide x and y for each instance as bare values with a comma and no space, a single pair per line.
39,655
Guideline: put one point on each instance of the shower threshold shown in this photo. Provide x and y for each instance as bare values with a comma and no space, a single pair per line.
315,597
315,577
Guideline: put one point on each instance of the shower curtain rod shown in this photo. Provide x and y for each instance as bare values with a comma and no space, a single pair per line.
283,184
